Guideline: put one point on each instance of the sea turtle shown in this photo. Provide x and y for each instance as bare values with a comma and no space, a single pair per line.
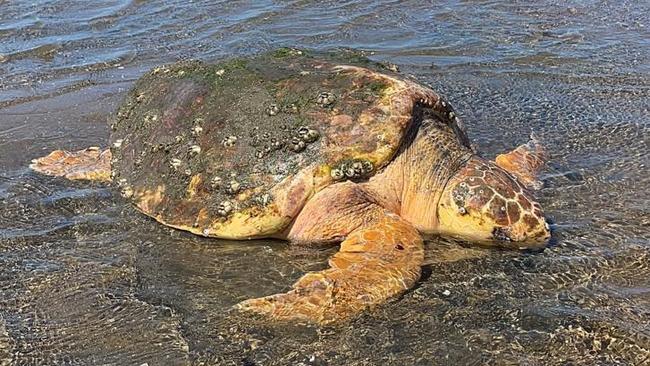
313,148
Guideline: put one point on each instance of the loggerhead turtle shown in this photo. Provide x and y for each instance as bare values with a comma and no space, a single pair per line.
312,148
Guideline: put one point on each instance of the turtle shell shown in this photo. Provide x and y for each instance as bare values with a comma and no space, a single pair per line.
235,149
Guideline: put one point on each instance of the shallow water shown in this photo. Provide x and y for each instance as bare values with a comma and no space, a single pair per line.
84,279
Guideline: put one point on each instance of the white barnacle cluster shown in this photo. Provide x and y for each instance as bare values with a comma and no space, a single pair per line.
308,134
225,208
139,160
272,110
325,99
125,188
127,191
291,108
150,117
448,111
139,97
174,163
195,149
234,187
274,144
264,199
425,101
304,135
337,174
197,130
215,182
229,141
160,69
297,145
354,169
391,66
460,194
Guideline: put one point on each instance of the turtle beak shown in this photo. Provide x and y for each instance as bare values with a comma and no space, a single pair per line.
523,235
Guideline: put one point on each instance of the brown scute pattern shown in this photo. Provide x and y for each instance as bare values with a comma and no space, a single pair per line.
530,221
513,211
524,202
488,189
500,183
234,124
498,211
479,196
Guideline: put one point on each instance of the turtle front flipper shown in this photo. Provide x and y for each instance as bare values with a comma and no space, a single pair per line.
377,261
525,162
87,164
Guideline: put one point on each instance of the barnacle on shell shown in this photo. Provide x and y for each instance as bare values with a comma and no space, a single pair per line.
297,145
272,110
337,174
229,141
325,99
224,208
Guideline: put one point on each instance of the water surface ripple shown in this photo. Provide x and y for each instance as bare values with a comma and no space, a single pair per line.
84,279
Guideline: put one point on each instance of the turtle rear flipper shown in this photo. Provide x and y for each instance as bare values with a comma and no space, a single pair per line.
87,164
376,262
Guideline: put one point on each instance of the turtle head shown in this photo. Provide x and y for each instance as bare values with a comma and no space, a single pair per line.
485,203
